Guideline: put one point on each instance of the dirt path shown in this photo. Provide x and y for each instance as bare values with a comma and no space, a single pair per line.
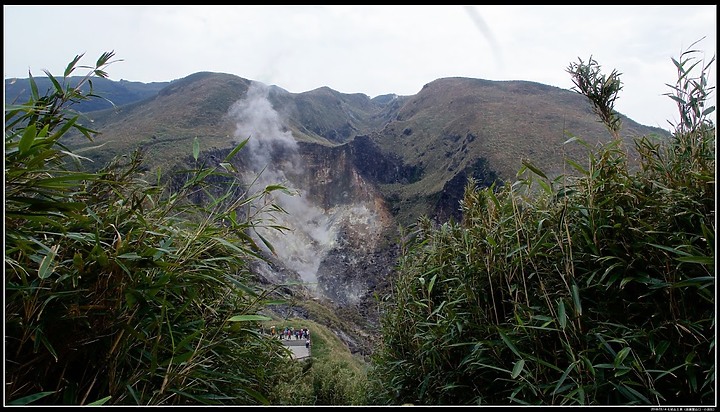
297,346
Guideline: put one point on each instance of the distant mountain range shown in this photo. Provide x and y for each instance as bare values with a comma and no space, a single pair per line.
118,92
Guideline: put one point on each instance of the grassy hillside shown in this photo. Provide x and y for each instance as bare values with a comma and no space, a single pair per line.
451,123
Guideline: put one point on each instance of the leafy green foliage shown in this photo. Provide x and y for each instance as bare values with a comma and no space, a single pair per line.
331,376
590,290
122,291
600,90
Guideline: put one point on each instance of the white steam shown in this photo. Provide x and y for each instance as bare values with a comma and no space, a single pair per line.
255,118
312,232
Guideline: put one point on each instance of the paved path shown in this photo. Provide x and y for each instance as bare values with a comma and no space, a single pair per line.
297,346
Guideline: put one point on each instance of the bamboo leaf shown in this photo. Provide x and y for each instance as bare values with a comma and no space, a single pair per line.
576,299
228,244
545,186
47,265
588,365
196,148
577,167
491,194
266,243
563,377
257,395
669,249
33,87
64,128
228,166
661,348
30,398
27,139
76,157
249,318
692,379
578,140
509,344
40,338
702,282
539,243
484,365
177,359
130,256
71,66
272,188
518,368
234,151
620,357
633,394
516,250
58,87
535,170
703,260
70,177
131,298
432,282
102,401
104,58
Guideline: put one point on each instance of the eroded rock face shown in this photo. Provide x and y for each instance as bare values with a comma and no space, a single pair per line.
380,167
334,224
340,227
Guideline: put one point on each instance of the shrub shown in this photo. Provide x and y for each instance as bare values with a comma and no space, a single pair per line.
596,289
119,290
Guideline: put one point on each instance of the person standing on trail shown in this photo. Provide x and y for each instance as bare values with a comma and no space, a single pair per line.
307,343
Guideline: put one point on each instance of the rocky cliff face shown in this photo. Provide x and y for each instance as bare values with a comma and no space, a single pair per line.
360,225
339,227
335,226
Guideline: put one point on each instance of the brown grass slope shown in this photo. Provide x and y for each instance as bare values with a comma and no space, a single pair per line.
452,122
198,105
166,125
326,116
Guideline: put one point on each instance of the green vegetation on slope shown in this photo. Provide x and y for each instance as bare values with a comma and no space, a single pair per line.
595,290
331,376
119,291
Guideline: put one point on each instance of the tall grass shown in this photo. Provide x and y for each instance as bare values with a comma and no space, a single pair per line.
592,289
119,289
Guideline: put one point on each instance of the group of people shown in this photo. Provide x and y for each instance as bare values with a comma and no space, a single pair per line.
290,333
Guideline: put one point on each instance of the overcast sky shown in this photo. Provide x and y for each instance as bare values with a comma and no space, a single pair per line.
373,50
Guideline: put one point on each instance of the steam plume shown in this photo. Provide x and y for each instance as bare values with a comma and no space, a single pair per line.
273,152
